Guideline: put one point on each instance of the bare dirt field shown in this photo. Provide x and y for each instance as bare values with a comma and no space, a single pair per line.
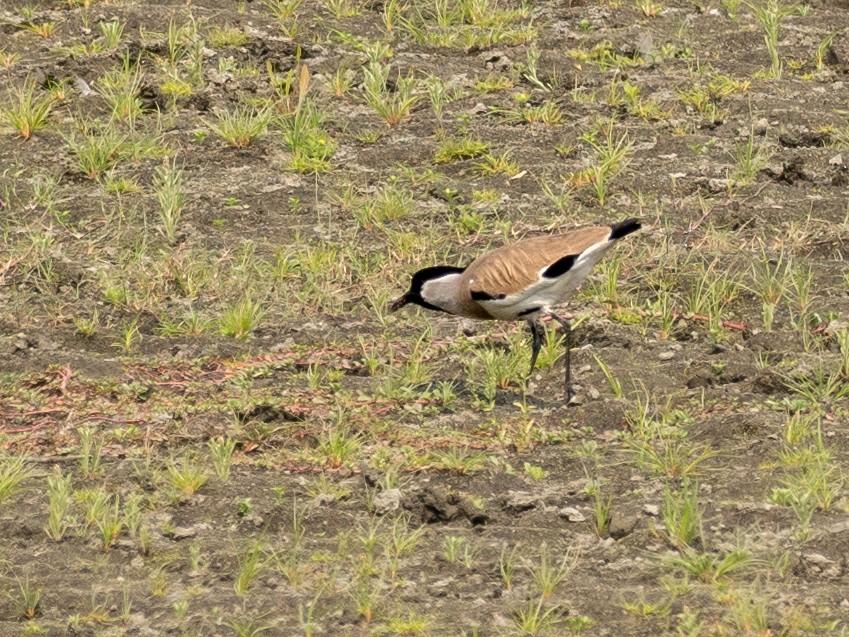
211,425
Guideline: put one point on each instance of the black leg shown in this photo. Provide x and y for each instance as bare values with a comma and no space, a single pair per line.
537,344
568,343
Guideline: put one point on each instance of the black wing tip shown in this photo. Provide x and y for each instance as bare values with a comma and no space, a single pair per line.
624,228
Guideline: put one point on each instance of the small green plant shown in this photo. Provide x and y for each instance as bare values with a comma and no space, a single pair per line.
682,514
187,475
241,126
822,49
458,460
310,145
344,8
28,110
96,152
548,576
28,599
241,318
133,504
337,444
44,29
709,567
770,15
614,383
750,158
168,186
87,326
451,546
498,165
110,523
507,562
612,157
8,60
130,335
250,567
221,450
120,88
456,149
649,8
283,10
59,504
531,73
409,624
535,472
111,33
366,594
91,446
667,453
601,511
712,294
393,106
227,36
13,471
537,618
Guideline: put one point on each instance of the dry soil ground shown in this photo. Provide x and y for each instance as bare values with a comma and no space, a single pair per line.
211,425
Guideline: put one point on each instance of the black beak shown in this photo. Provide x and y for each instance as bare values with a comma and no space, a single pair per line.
398,303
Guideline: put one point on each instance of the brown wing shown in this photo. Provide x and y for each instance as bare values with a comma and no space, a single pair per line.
512,268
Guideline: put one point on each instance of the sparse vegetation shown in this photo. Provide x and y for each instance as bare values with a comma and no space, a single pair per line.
206,215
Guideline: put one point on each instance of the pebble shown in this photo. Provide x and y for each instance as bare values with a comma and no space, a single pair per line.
518,501
622,526
386,501
182,533
817,558
651,509
572,514
665,356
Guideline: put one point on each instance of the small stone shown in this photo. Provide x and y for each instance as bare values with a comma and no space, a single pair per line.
572,514
839,527
518,501
719,185
593,393
817,559
257,520
837,160
622,526
665,356
386,501
651,509
181,533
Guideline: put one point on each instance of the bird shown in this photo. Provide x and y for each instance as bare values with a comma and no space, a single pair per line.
521,281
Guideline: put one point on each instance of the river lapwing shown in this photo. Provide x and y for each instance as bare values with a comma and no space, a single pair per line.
522,281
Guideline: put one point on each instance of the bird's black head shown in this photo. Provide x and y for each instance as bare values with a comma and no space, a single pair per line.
414,295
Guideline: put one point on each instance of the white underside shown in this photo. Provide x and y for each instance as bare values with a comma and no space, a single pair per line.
546,294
